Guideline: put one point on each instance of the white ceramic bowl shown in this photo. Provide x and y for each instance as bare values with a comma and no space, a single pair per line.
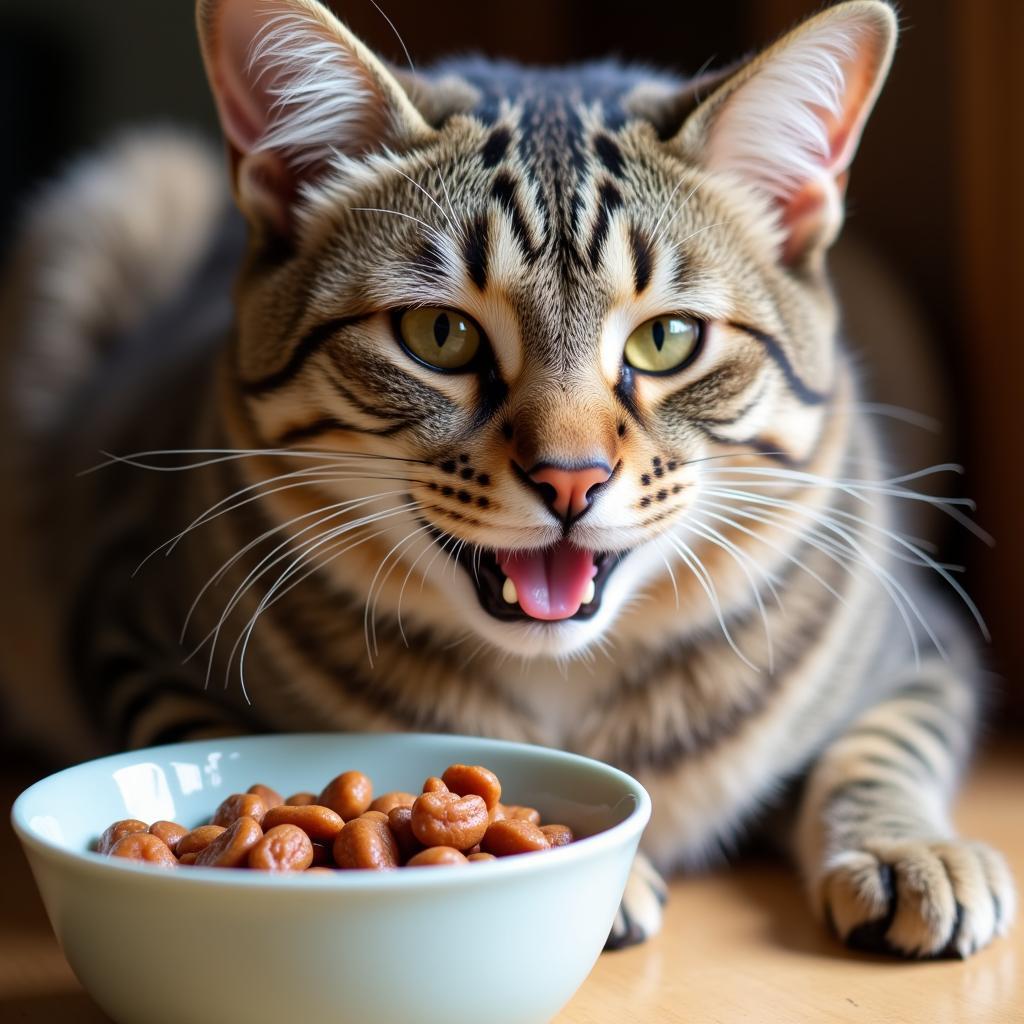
507,942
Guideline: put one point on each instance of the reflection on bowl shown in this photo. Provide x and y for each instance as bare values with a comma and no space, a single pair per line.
507,942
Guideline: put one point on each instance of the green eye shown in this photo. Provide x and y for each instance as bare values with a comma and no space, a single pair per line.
442,338
663,345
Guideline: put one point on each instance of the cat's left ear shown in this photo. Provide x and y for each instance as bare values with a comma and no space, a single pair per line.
788,122
295,89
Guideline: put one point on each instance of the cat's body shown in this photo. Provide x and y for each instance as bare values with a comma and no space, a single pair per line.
773,639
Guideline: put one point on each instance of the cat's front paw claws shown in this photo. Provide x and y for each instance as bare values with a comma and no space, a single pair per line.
639,914
917,898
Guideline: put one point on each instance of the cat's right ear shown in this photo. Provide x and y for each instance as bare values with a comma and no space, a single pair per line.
297,95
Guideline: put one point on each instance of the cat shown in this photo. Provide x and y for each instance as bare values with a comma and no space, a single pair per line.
530,418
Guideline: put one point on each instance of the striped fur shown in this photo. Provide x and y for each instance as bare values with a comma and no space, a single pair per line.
285,536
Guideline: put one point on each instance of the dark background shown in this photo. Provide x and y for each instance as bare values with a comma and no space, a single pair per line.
937,191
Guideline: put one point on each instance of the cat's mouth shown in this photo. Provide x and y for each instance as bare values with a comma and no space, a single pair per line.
548,584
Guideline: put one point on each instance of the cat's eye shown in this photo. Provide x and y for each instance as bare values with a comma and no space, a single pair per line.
444,339
663,345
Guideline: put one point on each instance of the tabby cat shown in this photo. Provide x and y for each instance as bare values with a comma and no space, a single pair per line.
530,418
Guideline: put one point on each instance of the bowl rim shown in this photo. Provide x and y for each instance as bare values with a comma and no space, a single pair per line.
92,863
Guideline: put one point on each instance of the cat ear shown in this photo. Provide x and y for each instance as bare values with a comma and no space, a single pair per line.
294,89
789,121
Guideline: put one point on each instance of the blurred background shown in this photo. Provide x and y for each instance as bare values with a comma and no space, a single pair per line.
936,197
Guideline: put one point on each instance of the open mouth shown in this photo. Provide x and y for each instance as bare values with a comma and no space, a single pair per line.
549,584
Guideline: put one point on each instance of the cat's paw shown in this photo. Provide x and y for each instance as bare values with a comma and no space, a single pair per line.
639,914
918,899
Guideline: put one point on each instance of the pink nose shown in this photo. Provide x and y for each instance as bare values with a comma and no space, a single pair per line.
567,491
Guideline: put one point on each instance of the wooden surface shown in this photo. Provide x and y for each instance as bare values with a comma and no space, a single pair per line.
738,946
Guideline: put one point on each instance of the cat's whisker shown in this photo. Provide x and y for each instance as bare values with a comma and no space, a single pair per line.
907,545
441,549
456,230
660,541
335,510
278,589
696,566
221,455
693,234
859,488
742,559
374,592
437,234
271,598
655,233
312,479
889,582
789,555
901,413
405,583
305,548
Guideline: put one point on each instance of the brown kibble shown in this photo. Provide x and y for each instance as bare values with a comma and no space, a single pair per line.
400,823
512,836
316,821
301,799
269,796
558,835
170,832
144,847
117,831
187,858
375,816
387,801
231,848
322,854
476,858
349,795
516,813
470,779
282,848
498,812
318,870
239,805
198,839
434,785
445,819
366,843
437,856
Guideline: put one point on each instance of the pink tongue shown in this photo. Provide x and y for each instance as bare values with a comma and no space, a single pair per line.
550,582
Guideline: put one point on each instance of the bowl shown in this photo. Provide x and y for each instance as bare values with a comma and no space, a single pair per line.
508,942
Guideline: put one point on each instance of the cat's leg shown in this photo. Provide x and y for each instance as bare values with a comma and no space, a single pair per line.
639,915
874,840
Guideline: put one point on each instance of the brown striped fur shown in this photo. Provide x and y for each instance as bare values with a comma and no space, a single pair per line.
766,643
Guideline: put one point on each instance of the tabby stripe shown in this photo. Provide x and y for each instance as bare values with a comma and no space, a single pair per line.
896,740
803,391
642,259
609,199
328,423
611,156
496,147
475,250
310,343
504,189
769,449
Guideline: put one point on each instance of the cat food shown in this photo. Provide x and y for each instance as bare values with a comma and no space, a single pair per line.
457,819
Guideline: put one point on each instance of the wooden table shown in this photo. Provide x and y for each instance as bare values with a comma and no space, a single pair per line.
738,946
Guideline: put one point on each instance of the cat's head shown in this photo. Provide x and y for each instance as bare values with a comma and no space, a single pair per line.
534,309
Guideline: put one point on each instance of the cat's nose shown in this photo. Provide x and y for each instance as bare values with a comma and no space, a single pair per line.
568,490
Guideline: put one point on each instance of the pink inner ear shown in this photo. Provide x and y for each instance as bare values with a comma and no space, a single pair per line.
845,128
243,99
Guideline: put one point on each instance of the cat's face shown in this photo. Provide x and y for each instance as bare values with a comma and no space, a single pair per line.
537,320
